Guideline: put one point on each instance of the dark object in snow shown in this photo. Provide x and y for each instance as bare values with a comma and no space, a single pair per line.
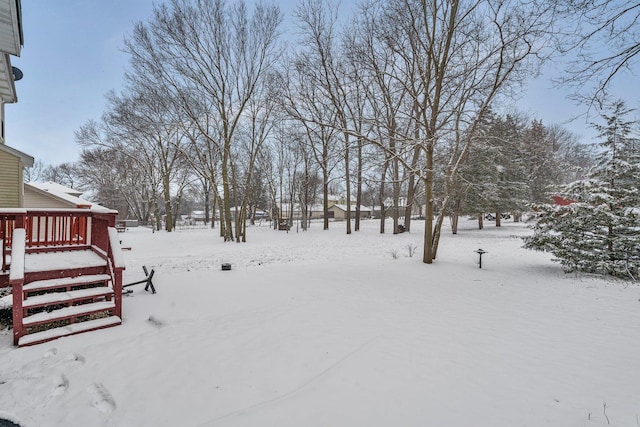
491,217
480,252
6,319
146,280
401,228
154,320
284,224
226,266
8,423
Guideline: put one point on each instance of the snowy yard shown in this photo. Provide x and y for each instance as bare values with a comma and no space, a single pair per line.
319,328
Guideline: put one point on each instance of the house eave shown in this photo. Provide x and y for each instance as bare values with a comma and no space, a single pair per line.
26,159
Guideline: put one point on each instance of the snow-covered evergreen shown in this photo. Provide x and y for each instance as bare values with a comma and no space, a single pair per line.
600,230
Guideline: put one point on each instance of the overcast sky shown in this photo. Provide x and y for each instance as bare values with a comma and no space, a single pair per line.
72,56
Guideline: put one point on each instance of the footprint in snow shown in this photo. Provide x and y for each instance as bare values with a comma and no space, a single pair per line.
101,399
61,383
51,352
75,357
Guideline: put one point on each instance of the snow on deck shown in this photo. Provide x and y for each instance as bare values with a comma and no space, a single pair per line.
66,281
62,260
62,297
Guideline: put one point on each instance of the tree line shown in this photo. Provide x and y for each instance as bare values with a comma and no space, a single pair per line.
397,101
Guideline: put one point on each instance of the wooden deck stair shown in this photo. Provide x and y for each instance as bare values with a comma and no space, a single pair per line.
66,292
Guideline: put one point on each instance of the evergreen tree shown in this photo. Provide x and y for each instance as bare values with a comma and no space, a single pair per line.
600,230
476,176
543,169
506,187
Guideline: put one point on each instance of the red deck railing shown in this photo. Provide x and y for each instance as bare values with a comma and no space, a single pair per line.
55,228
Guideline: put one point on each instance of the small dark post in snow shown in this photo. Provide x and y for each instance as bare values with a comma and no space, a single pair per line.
480,252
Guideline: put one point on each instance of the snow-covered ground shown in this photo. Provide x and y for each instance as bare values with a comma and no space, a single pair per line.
321,328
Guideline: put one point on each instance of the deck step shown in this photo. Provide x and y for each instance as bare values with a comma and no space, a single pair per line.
71,329
41,285
67,312
66,297
65,260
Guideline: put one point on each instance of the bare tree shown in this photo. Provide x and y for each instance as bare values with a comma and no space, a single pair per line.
63,173
304,102
37,172
328,69
145,120
252,135
215,53
457,57
109,178
388,100
603,39
132,173
574,159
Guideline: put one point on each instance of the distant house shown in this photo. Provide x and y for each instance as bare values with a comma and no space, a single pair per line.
50,195
260,214
316,211
197,216
340,211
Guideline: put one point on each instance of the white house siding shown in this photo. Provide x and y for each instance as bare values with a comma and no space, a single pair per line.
10,31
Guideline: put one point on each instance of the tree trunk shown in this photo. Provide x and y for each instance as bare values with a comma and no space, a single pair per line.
156,213
455,217
454,223
383,212
168,226
359,185
411,190
427,257
226,194
347,182
396,194
325,204
207,196
222,215
214,204
325,185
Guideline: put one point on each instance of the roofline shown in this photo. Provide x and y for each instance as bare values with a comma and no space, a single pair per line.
88,205
52,195
26,159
